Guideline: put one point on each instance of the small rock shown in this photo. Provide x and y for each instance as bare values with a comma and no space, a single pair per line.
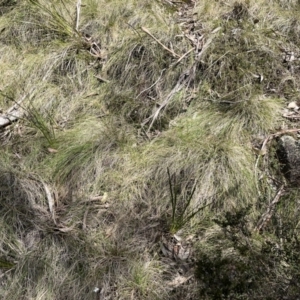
288,152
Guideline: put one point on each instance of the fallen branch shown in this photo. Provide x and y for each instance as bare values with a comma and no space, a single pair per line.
270,210
160,43
6,120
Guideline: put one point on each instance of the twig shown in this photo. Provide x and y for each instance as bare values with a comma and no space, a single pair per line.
277,134
184,55
268,214
152,84
184,78
134,29
50,199
84,219
4,273
146,134
159,42
78,6
163,104
95,50
101,79
192,40
170,2
96,198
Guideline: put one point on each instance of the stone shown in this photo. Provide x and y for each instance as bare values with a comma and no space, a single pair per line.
288,152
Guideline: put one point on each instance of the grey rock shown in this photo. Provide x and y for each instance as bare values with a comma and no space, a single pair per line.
288,152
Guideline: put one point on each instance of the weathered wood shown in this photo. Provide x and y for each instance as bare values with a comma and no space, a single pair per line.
10,117
15,112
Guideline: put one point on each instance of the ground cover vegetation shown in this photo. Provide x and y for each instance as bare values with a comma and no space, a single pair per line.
138,149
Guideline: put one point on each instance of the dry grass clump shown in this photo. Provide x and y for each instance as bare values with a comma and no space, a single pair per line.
112,98
90,150
218,165
68,253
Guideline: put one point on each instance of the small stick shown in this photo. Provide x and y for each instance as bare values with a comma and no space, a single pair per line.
51,201
151,85
134,29
101,79
184,55
77,14
159,42
278,133
268,214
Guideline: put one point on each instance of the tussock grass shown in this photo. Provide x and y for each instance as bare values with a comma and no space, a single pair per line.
218,164
96,130
89,149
